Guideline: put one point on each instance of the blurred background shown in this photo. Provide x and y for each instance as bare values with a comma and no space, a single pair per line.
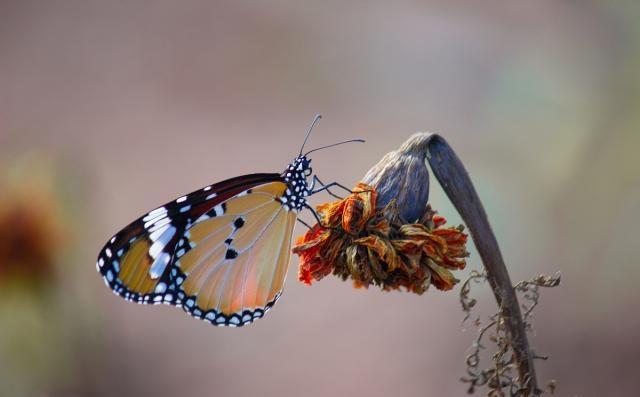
109,109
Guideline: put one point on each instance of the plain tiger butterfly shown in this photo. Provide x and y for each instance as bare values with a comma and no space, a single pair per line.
222,252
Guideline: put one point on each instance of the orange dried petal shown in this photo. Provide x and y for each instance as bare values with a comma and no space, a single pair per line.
438,221
359,207
314,269
310,240
383,249
441,278
408,247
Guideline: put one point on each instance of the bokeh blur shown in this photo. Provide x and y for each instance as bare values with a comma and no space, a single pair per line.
110,108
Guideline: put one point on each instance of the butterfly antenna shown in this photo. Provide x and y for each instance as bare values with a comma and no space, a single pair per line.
335,144
318,117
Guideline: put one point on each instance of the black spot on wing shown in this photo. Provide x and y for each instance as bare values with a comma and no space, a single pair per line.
231,254
238,223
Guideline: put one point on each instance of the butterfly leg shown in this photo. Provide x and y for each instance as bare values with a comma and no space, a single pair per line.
328,186
318,220
313,184
304,223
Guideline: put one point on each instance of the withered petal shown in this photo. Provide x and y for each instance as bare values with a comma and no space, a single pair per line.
382,248
408,247
441,278
310,241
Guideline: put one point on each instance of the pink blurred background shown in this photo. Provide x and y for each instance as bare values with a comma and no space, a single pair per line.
108,109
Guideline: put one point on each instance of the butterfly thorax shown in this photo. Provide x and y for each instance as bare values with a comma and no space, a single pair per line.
295,176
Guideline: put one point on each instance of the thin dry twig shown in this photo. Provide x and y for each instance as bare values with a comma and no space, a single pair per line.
499,377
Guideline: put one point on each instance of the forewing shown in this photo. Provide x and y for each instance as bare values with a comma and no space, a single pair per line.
136,263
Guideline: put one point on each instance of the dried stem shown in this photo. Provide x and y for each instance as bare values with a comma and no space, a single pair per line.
455,181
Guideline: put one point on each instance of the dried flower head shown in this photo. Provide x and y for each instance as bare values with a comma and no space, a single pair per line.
357,240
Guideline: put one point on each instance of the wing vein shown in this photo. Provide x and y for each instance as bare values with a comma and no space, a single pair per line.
246,269
275,267
222,285
213,250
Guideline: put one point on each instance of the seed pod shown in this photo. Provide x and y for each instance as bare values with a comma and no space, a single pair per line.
394,177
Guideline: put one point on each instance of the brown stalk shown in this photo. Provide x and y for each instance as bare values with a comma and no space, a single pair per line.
455,181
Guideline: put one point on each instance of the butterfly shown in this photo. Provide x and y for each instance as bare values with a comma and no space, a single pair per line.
221,252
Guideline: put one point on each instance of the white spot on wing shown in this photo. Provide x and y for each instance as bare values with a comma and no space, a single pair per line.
218,210
157,224
160,288
158,266
202,218
155,249
157,213
158,232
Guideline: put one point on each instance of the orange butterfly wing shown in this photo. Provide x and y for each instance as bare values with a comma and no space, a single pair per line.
221,252
234,267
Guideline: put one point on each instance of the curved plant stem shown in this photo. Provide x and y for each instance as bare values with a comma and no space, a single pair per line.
455,181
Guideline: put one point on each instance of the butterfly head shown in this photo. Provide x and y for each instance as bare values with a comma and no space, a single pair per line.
295,176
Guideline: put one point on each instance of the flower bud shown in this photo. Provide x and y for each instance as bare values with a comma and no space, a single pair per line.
403,175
